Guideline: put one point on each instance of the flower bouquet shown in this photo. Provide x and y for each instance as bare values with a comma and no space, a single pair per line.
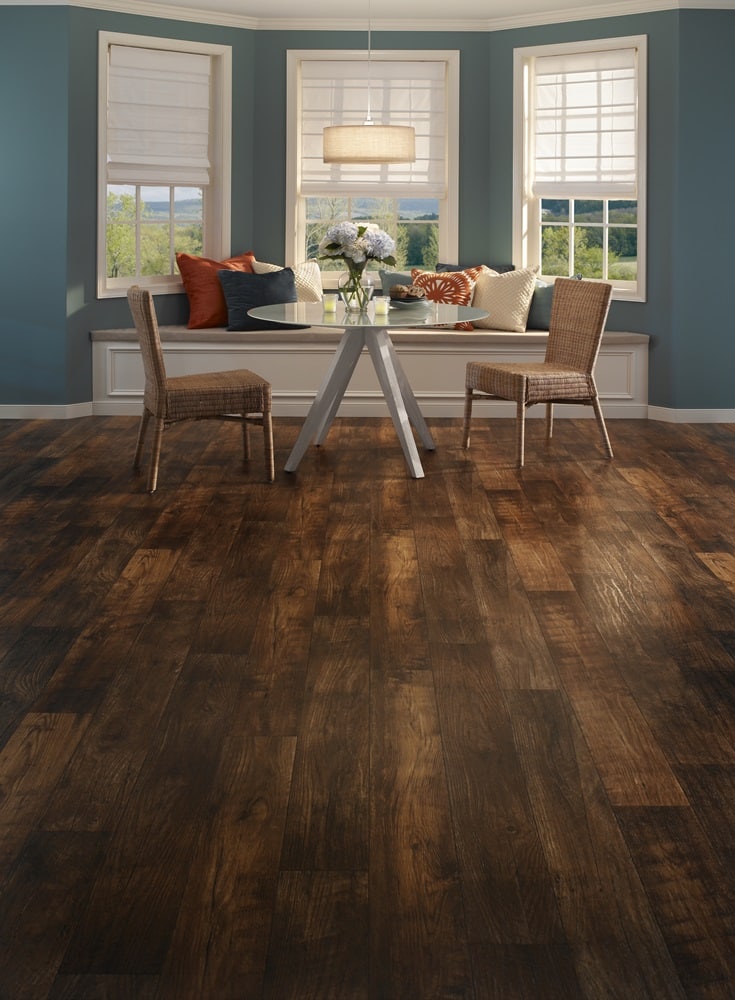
357,244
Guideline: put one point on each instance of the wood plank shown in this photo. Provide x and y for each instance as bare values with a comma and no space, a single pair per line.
691,893
134,904
353,733
116,743
41,901
599,893
507,887
319,938
418,937
328,817
224,923
632,767
31,763
397,622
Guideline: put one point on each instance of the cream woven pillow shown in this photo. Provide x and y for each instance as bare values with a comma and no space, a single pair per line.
307,278
506,297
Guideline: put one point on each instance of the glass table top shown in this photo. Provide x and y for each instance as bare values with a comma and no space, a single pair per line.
314,314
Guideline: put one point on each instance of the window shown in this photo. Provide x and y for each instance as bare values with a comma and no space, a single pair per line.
415,202
580,165
164,158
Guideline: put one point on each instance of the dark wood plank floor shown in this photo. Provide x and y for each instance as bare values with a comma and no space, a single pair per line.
354,735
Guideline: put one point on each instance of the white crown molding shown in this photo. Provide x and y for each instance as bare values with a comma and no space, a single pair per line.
169,11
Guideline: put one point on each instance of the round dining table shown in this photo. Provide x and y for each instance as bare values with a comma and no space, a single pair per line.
371,330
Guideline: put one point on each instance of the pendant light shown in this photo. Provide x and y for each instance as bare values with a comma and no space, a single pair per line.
369,143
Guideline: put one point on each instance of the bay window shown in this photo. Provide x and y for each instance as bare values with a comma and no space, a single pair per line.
416,203
580,161
164,158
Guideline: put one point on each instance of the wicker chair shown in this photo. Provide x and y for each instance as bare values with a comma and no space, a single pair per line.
233,395
578,314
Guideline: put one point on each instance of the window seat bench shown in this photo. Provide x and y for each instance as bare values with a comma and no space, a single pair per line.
295,362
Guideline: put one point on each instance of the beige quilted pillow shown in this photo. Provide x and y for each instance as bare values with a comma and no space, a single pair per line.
307,278
506,297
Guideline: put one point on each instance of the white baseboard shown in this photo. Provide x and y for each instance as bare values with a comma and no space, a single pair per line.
675,416
364,403
44,411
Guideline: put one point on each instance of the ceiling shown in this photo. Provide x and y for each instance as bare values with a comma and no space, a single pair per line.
407,15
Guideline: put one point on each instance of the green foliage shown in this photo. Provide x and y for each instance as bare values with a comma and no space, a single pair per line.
416,235
588,252
156,254
120,242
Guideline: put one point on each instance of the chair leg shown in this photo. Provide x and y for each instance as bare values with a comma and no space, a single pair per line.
142,428
155,455
245,438
270,473
520,431
549,421
467,418
601,424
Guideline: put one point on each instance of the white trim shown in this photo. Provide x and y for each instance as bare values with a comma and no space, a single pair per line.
217,195
671,415
524,242
449,228
295,363
196,15
45,411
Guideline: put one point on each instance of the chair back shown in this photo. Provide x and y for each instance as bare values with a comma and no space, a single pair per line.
578,315
143,310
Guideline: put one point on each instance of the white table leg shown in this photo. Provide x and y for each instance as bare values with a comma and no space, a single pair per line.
383,357
412,407
327,400
340,380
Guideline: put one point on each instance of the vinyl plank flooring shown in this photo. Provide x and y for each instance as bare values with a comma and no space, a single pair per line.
358,736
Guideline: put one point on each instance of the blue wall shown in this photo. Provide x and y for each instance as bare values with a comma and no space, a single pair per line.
34,70
48,116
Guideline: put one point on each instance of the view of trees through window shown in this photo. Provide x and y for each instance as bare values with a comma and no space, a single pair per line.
147,226
412,222
597,239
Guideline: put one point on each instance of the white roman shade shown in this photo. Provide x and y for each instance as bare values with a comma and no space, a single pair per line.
335,92
158,117
584,128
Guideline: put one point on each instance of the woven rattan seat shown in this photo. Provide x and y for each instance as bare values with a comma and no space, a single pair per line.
578,315
232,395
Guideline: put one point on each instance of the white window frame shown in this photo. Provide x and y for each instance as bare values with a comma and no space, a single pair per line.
295,234
526,205
216,197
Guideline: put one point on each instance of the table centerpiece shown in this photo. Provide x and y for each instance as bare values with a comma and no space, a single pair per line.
357,244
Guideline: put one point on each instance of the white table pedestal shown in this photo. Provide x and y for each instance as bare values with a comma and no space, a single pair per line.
371,331
402,405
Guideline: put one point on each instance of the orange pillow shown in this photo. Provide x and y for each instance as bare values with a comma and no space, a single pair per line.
207,306
453,287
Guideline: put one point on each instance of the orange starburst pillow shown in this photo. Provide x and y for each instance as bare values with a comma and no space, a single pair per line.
451,287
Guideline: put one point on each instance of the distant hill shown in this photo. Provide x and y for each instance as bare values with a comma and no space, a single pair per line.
190,208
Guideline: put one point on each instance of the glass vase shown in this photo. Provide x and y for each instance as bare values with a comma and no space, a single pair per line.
355,289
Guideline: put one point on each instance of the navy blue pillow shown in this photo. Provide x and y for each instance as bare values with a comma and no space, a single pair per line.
245,291
500,268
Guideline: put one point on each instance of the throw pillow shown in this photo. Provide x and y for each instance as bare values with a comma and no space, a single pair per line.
499,268
506,298
388,278
207,305
539,315
452,287
247,291
307,277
